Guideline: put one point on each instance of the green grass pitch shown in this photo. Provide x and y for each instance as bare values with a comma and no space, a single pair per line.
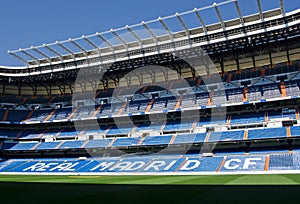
253,179
149,189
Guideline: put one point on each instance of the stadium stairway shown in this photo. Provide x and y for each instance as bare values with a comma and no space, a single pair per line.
195,123
282,88
41,134
181,165
163,126
35,146
19,133
150,105
207,136
24,100
245,134
51,100
108,129
178,104
245,94
198,83
5,115
288,131
133,130
228,120
122,108
210,99
140,142
267,163
144,89
172,139
59,145
84,144
222,164
49,116
29,115
112,142
97,111
73,113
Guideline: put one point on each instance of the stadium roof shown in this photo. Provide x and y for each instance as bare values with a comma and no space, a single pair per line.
157,31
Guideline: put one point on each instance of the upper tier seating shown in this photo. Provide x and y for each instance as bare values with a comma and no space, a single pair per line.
203,98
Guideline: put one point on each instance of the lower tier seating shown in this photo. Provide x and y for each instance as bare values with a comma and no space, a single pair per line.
182,164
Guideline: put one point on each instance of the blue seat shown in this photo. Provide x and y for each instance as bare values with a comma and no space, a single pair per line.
267,133
157,140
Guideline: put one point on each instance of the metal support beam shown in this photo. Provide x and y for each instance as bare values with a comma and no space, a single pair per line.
134,34
236,3
260,9
17,57
78,46
120,38
200,20
90,42
219,16
166,27
54,51
29,55
105,41
183,24
41,53
282,7
65,48
150,31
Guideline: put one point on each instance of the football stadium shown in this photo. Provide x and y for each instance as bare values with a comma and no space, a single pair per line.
180,99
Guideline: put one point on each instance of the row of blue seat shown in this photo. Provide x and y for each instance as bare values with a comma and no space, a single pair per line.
156,163
262,133
170,126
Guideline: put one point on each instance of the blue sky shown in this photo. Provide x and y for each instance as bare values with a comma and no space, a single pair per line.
34,22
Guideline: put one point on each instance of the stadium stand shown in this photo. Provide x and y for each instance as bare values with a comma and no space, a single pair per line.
239,113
